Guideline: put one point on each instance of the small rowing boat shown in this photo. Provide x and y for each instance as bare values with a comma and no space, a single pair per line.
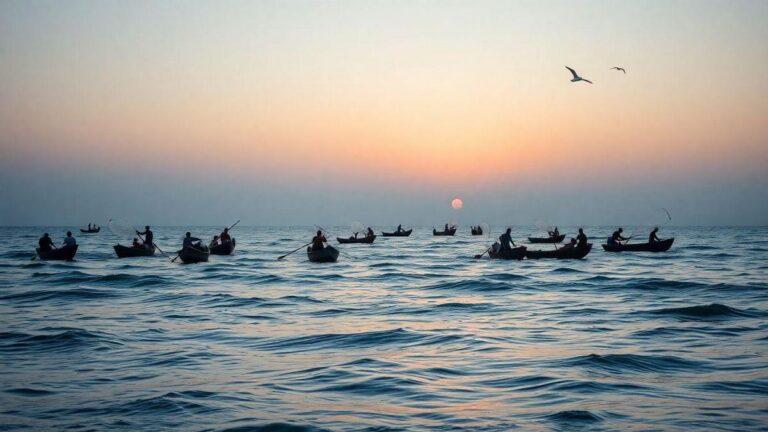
66,253
367,239
562,253
516,253
326,254
224,248
90,231
130,252
450,232
405,233
659,246
191,255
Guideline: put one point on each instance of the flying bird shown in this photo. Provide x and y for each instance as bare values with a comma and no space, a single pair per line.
576,76
618,68
669,216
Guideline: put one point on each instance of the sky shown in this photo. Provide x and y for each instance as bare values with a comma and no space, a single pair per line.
302,112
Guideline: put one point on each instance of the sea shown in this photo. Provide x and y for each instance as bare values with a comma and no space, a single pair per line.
405,334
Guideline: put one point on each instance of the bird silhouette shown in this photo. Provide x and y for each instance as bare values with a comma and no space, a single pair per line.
618,68
576,76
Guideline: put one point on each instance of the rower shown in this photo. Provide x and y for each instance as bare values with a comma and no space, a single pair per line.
653,238
446,228
89,227
318,241
214,241
69,240
370,233
136,244
149,237
399,228
570,245
554,233
581,238
190,242
45,243
616,237
505,240
224,236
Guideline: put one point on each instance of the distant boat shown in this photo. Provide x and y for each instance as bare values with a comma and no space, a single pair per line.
90,230
66,253
557,239
130,252
516,253
325,255
191,255
659,246
477,231
224,248
450,232
404,233
562,253
366,239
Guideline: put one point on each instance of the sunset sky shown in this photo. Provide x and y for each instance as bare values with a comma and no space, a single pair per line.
289,112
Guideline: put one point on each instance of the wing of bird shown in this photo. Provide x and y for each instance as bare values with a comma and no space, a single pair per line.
573,72
586,80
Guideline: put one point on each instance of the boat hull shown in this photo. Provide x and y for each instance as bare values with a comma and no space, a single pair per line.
450,232
66,253
367,240
557,239
227,248
660,246
87,231
325,255
190,255
131,252
398,234
570,253
516,253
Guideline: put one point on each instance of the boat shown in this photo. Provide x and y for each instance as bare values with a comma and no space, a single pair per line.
556,239
659,246
66,253
130,252
562,253
326,254
398,234
477,232
450,232
516,253
366,239
224,248
191,255
90,231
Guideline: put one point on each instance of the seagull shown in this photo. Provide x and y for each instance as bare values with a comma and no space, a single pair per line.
576,76
618,68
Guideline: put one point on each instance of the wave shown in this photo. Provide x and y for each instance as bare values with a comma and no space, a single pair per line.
65,341
29,392
275,427
399,337
470,285
623,363
78,294
78,277
757,387
711,311
578,416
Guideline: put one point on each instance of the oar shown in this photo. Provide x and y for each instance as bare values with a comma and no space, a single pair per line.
295,250
233,225
481,255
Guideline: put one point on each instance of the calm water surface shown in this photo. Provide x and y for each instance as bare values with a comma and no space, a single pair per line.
405,334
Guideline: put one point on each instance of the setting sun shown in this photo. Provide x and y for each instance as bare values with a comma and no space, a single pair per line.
457,203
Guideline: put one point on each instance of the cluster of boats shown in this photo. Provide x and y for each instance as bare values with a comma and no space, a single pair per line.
198,252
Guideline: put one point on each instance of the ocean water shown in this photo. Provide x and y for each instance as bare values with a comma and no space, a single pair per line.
405,334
